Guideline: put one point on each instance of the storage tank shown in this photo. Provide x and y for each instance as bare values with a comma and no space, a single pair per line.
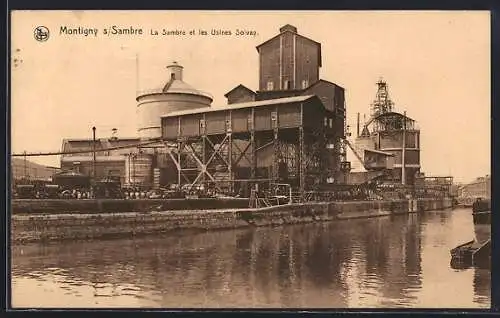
138,170
174,96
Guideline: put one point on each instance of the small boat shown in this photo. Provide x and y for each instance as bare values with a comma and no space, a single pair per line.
476,252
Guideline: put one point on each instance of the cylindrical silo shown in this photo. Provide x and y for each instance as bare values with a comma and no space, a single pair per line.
174,96
138,170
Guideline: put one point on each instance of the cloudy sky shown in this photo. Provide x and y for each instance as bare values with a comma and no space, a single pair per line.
437,65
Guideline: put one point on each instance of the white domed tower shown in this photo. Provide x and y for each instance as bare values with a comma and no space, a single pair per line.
175,95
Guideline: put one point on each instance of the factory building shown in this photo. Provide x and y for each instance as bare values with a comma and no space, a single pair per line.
133,167
389,141
288,131
479,188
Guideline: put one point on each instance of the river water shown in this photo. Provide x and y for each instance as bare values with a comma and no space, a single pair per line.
397,261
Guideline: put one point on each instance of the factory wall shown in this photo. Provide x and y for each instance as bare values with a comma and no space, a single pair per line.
327,93
269,65
190,125
412,156
215,122
307,62
266,118
151,107
241,120
394,139
288,62
298,65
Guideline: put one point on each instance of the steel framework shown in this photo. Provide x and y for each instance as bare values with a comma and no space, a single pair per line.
302,157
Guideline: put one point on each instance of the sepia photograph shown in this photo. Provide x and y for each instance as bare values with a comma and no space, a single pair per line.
250,159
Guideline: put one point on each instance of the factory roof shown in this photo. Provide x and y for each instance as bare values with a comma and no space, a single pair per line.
392,114
75,159
120,139
286,100
180,87
176,87
240,86
389,115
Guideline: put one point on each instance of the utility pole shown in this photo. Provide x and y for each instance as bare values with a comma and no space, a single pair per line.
93,163
93,151
25,167
403,155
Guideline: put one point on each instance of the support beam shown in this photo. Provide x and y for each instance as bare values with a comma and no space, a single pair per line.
302,162
204,153
230,163
179,148
243,153
253,157
276,156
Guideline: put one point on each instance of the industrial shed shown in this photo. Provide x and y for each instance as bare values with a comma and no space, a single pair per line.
293,140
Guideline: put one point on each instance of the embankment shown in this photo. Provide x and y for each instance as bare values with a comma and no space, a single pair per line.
76,226
56,206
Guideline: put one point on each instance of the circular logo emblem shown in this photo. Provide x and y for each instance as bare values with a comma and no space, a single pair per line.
41,33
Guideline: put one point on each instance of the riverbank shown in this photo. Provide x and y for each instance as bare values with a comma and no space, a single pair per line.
81,226
93,206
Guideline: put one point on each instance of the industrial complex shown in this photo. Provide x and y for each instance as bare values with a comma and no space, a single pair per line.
291,131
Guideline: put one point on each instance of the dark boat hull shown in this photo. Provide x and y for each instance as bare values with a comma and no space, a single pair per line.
478,251
483,217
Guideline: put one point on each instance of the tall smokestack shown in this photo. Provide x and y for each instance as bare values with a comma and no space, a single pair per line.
357,128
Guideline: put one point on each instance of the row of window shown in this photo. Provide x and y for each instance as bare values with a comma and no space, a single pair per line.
287,85
328,122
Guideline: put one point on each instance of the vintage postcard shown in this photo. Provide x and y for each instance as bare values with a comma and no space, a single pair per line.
231,159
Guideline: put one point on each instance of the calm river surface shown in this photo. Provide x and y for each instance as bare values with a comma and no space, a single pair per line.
399,261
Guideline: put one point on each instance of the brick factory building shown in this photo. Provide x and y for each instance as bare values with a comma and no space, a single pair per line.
290,130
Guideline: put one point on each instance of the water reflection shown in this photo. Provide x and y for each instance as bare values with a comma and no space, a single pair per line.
398,261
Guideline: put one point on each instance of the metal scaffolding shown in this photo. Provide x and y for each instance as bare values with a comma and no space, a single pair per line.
382,103
297,156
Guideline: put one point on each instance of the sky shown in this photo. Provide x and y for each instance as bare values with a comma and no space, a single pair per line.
437,66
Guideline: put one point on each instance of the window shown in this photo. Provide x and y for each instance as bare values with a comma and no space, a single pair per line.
326,122
274,116
202,123
287,84
305,84
172,76
270,86
228,125
331,123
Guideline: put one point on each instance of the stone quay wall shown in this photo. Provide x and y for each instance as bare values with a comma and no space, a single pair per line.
56,206
81,226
